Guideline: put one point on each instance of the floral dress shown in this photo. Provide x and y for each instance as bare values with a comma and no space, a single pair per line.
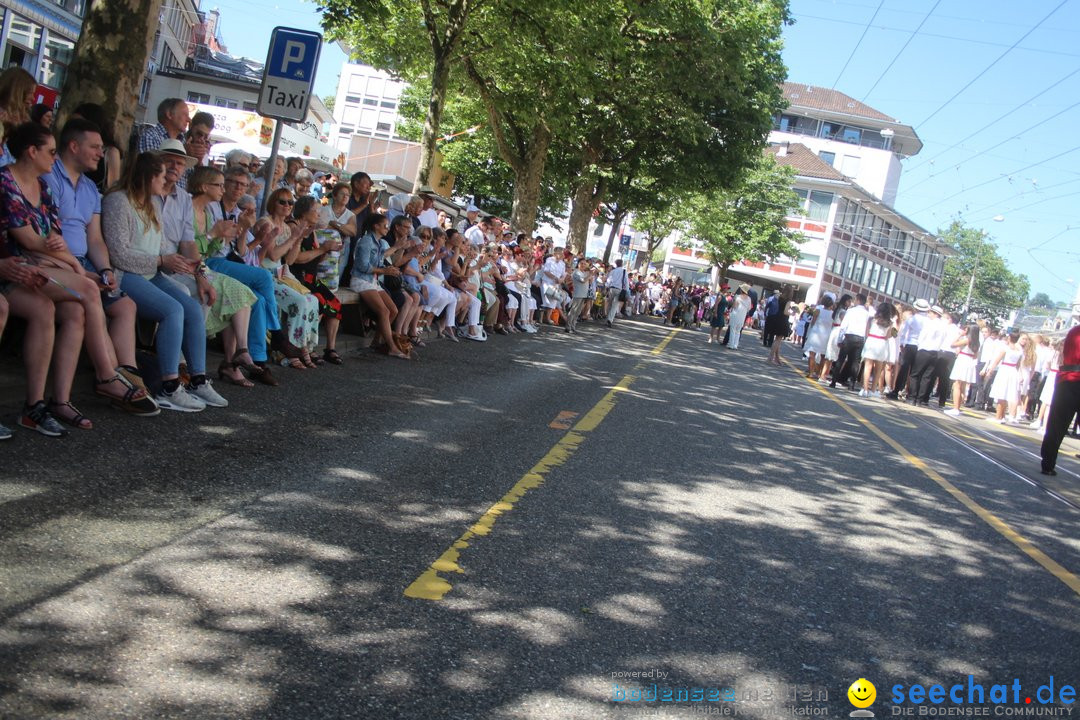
232,295
299,308
17,211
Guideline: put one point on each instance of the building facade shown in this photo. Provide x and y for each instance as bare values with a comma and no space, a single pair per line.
846,157
366,104
39,36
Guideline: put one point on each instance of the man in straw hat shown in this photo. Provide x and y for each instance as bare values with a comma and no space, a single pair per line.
908,341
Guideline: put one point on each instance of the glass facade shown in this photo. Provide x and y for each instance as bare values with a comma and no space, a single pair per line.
45,51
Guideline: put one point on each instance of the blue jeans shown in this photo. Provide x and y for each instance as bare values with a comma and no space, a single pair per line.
264,314
179,317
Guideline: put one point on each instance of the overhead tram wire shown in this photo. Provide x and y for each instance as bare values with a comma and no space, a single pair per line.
938,36
901,51
1055,156
855,49
984,152
992,64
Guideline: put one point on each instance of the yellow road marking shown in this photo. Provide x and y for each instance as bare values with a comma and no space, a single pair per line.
1025,545
431,585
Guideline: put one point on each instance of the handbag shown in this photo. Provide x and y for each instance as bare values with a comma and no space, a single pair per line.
623,296
391,283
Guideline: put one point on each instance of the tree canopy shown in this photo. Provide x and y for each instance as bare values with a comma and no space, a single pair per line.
997,290
748,221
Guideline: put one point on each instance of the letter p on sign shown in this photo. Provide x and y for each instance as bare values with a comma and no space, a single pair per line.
294,54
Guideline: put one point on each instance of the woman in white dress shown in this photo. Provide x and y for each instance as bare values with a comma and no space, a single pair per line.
1047,395
832,346
817,336
965,369
740,306
1006,388
876,351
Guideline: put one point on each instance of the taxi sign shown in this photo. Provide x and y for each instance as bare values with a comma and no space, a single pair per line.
289,74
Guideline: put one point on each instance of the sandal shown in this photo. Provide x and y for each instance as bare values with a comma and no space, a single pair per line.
223,373
296,364
265,376
68,414
250,368
305,357
134,401
331,356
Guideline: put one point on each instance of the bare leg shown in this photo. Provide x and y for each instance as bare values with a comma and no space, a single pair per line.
332,325
39,312
121,318
66,349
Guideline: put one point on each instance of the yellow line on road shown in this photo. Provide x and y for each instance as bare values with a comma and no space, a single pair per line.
431,585
1025,545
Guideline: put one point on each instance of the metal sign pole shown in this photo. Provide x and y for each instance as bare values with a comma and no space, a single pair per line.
271,164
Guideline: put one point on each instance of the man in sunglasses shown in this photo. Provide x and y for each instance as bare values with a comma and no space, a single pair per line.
197,143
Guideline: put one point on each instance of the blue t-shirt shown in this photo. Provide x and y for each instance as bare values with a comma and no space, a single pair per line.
76,205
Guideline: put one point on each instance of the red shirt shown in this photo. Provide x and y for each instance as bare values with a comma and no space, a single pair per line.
1070,355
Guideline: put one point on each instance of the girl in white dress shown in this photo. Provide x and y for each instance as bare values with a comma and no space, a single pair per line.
1006,388
817,337
876,350
1026,370
832,346
1047,395
965,369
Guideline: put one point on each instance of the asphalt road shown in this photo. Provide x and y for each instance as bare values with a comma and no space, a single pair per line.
582,507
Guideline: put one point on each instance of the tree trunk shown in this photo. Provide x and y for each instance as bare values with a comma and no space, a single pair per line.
617,220
440,80
581,212
110,61
528,176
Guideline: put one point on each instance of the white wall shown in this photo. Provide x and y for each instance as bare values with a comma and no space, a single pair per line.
162,87
878,170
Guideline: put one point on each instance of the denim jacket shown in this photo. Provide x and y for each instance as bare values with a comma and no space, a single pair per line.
367,256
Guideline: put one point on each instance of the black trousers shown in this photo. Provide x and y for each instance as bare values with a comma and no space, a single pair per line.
907,360
1065,404
1035,390
922,375
943,369
848,359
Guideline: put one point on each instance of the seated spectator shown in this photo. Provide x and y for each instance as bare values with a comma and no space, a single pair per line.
42,115
441,301
302,183
298,306
133,234
20,294
107,172
79,210
368,265
303,261
241,261
232,312
407,302
28,216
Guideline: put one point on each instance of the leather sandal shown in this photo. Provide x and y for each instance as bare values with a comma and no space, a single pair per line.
68,414
265,377
250,368
330,355
130,403
223,373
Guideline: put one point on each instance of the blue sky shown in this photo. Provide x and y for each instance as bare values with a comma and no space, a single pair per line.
991,87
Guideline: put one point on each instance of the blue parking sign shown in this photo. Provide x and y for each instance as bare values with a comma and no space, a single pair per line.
289,73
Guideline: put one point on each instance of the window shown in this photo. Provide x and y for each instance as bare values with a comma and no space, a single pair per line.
354,99
388,104
250,106
850,270
892,282
808,260
856,272
382,127
827,157
371,101
802,195
851,135
820,203
873,273
58,54
883,280
194,97
850,165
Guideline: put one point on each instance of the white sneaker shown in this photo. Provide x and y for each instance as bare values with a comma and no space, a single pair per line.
479,337
953,412
180,400
1035,425
208,395
531,329
863,393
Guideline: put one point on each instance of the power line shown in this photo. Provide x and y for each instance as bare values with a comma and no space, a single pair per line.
995,62
1055,156
990,124
901,51
854,49
938,36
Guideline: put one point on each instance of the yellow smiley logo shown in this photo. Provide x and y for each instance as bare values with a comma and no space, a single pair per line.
862,693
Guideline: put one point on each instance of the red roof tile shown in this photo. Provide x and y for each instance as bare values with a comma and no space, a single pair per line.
805,162
818,98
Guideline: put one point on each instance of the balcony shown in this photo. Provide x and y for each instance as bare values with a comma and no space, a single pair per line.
863,137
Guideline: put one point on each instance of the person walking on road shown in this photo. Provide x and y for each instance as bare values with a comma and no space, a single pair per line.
617,288
817,336
908,339
740,306
716,315
852,338
582,278
964,369
1065,402
924,371
1006,388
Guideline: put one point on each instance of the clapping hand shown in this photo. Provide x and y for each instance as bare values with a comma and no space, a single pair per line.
55,243
15,269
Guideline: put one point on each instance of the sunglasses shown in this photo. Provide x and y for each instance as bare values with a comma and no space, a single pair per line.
286,202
